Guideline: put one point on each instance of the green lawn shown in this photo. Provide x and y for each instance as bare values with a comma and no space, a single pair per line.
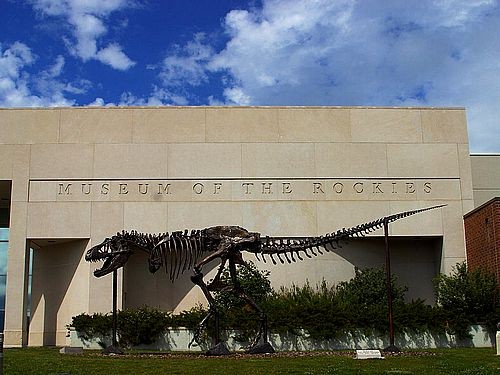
442,361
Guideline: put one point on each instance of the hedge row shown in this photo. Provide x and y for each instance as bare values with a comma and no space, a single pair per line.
323,312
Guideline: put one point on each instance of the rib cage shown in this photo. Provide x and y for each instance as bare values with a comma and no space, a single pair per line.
178,251
290,249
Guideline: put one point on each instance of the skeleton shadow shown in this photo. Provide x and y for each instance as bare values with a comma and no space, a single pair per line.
142,288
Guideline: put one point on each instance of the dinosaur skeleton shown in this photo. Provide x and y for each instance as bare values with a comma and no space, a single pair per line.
181,251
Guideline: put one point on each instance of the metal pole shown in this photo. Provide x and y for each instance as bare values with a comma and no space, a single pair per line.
217,327
1,353
497,339
114,341
391,347
113,348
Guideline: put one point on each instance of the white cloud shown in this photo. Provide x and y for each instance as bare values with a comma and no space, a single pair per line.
114,56
98,102
49,84
235,95
158,97
459,12
18,88
13,59
186,64
347,52
87,20
13,82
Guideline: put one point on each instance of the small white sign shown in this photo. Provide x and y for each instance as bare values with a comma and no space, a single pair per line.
368,354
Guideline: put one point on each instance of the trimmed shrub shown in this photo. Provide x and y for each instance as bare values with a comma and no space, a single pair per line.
467,297
315,310
364,299
134,326
92,326
141,326
188,318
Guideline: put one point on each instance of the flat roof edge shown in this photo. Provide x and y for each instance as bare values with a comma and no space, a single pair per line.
485,204
216,107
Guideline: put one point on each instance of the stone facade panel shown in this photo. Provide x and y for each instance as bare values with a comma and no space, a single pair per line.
61,161
242,125
385,125
96,125
314,125
204,160
426,160
169,125
130,161
342,159
29,126
59,220
444,126
278,160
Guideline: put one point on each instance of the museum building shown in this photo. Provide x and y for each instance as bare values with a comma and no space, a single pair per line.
70,177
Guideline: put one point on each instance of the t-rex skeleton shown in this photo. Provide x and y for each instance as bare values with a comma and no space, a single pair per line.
180,251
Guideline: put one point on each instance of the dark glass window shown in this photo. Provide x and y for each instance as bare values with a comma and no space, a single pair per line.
4,243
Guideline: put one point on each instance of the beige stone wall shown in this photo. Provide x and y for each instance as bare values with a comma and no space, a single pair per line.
85,173
59,290
485,177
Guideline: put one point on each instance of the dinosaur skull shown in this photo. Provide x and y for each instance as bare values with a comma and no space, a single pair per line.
113,251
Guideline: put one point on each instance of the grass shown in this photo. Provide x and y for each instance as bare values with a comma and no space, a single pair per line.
440,361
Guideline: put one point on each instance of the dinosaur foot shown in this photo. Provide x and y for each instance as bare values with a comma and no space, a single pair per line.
261,348
392,349
112,350
218,350
216,286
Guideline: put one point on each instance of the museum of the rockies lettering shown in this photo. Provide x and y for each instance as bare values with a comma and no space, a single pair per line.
247,188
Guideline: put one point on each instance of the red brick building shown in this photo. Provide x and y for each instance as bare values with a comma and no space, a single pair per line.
482,233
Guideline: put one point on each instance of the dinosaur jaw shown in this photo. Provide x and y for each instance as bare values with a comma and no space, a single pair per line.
105,269
112,255
111,263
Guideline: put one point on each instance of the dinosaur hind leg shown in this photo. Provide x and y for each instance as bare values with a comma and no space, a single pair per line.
219,347
260,344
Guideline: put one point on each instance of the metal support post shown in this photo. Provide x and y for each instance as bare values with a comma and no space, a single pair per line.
391,347
113,348
114,342
498,339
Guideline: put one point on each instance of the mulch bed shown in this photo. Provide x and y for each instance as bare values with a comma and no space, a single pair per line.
239,355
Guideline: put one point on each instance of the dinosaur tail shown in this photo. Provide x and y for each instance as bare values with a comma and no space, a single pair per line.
291,249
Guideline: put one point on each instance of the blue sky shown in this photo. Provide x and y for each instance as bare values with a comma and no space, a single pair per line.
269,52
